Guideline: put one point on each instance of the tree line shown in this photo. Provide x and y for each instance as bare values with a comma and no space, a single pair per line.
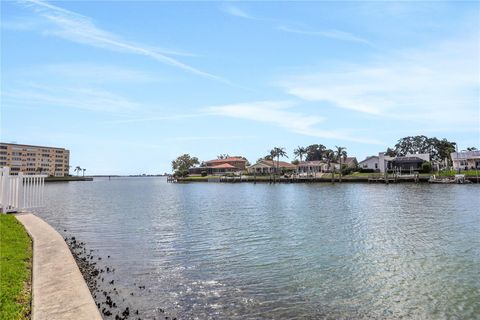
438,149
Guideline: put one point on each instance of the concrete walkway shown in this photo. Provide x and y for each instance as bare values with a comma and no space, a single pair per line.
58,289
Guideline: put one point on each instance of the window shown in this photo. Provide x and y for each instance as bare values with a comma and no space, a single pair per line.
376,165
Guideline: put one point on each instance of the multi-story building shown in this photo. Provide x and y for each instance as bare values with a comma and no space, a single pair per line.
34,159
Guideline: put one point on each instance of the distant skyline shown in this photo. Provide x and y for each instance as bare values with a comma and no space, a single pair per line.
129,86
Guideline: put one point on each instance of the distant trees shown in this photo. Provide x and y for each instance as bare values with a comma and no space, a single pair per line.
181,165
300,152
223,156
83,169
77,170
247,163
438,149
471,149
315,152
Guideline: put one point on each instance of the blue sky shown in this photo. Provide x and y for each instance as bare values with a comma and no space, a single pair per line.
128,86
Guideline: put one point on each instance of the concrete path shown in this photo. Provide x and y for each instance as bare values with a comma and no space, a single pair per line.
58,289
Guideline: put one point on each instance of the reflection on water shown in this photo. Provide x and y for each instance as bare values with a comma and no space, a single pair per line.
282,251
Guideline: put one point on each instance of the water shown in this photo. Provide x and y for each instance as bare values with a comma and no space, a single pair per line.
244,251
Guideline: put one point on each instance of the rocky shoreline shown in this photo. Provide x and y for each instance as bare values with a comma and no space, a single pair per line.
101,281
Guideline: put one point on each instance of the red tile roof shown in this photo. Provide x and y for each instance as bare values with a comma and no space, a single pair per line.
226,160
223,166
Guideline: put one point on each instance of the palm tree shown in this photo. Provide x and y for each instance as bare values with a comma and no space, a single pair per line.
300,152
84,171
77,170
277,153
340,154
330,157
39,170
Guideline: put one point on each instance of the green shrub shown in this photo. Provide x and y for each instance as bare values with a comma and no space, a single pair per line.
347,170
181,173
426,167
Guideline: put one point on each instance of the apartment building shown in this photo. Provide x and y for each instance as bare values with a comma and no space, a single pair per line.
35,159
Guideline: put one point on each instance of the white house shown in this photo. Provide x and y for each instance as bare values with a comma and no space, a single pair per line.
313,167
465,160
370,163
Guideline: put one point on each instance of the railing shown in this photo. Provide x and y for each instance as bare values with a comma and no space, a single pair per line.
20,192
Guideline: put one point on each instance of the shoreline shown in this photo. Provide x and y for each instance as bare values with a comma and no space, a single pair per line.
99,275
266,179
67,179
59,290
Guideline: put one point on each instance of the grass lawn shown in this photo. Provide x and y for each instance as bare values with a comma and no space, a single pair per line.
452,173
15,269
364,174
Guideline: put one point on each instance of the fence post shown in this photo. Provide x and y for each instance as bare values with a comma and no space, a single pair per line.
20,194
5,194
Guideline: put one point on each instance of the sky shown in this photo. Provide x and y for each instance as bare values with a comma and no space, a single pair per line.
129,86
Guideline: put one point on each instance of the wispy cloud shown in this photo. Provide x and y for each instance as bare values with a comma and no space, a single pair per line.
88,73
430,85
211,138
279,113
332,34
153,118
236,11
85,98
80,29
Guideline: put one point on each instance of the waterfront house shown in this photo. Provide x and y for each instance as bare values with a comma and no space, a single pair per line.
270,166
314,167
466,160
370,163
350,162
382,162
237,162
230,165
409,162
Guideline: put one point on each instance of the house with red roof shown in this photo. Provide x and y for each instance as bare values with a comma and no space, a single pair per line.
220,166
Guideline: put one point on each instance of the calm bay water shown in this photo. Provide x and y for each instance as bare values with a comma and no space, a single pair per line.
206,250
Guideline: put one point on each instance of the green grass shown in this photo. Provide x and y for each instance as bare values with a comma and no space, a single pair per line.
15,269
364,174
452,173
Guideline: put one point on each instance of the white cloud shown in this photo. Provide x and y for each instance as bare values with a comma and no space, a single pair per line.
332,34
439,84
279,113
237,12
80,29
85,98
158,118
89,73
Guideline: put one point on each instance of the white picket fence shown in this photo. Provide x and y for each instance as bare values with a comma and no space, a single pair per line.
20,192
